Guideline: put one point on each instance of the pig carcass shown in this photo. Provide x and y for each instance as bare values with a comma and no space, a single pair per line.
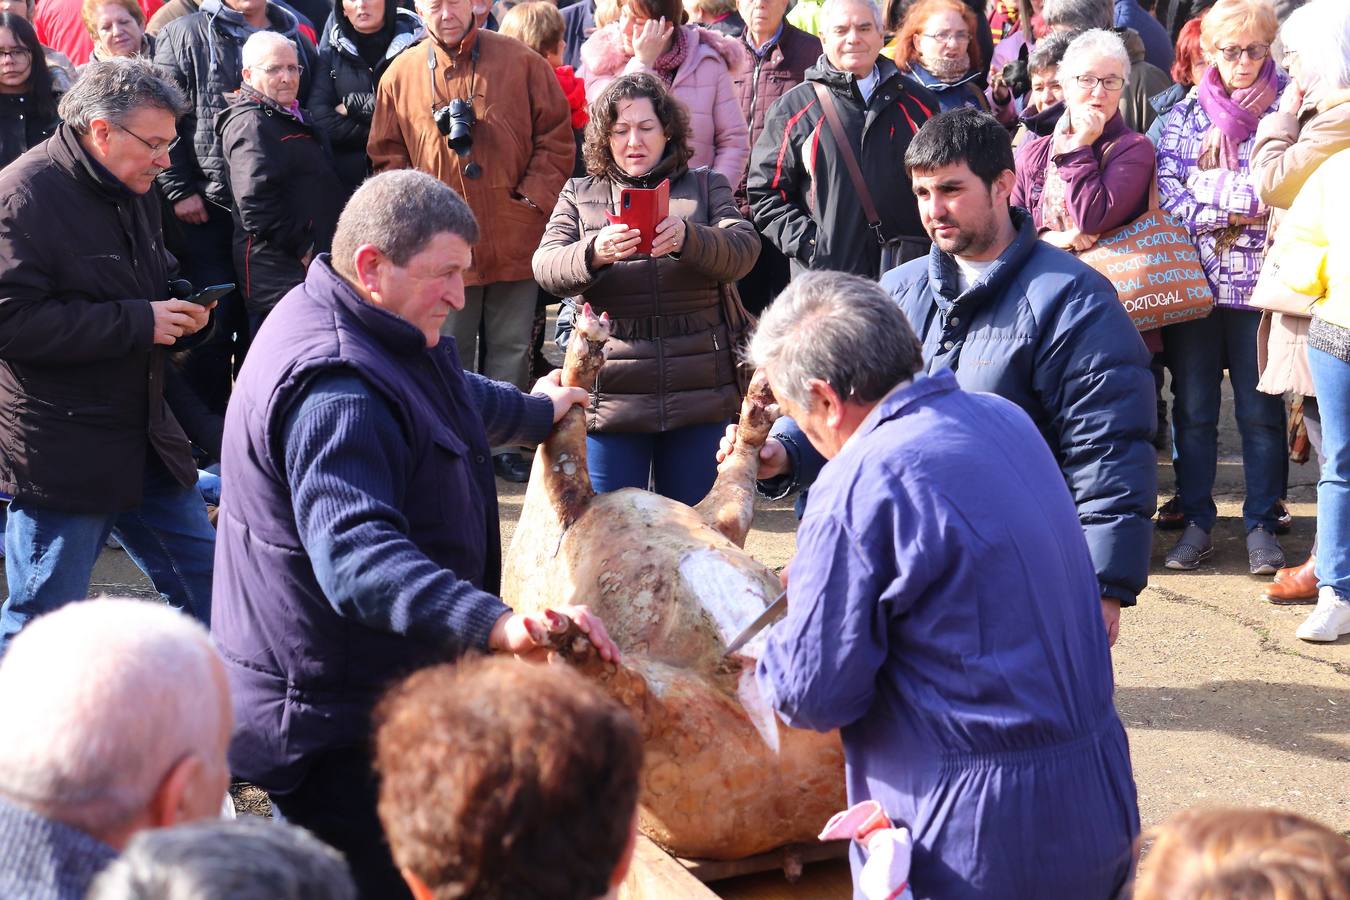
724,778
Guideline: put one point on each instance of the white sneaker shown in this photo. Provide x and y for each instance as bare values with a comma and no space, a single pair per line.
1328,621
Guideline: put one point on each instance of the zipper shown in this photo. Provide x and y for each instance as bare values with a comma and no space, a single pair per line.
660,350
754,90
717,359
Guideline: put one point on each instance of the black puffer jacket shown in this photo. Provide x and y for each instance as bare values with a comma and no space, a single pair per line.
23,125
346,79
286,195
203,52
81,260
803,199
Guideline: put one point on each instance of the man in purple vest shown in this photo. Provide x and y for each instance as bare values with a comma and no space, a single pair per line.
358,535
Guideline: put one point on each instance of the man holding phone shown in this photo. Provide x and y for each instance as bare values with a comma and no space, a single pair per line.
89,446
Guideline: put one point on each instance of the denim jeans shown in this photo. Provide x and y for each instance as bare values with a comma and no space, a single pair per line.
1196,353
50,555
681,464
1332,379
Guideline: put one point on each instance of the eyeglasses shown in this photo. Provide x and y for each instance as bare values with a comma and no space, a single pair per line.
1112,83
1255,52
269,71
19,54
949,37
156,149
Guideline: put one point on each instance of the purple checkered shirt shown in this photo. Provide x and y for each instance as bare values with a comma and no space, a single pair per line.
1202,200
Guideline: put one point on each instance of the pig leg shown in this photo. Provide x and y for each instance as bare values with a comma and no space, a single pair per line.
563,453
730,505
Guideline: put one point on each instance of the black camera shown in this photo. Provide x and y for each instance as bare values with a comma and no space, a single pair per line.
455,121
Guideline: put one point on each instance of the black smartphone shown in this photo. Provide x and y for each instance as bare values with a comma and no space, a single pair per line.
208,295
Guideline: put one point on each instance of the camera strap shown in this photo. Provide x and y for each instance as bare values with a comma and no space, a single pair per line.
431,71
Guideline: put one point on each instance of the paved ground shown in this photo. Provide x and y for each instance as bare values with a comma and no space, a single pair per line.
1223,704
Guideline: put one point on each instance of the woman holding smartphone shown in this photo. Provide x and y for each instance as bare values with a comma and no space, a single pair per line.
668,387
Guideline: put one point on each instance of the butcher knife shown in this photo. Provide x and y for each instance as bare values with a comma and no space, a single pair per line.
772,613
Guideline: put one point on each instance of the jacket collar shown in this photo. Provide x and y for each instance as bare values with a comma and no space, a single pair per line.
902,400
842,82
398,335
221,16
1043,122
69,154
942,274
407,26
457,53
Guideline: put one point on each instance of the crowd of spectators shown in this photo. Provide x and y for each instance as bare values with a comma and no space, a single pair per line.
273,286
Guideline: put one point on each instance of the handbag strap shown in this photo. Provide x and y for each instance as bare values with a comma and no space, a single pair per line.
850,161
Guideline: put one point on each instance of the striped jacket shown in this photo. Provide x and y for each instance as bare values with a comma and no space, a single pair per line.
803,200
1202,200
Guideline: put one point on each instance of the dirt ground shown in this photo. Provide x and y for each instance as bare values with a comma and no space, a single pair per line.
1222,703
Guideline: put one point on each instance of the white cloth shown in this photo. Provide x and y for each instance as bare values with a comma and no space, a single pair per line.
969,271
869,84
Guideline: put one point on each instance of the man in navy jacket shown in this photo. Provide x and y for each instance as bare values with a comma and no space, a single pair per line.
358,536
1011,315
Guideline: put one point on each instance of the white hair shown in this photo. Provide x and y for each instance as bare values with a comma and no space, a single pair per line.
1319,32
101,699
261,43
829,6
1089,47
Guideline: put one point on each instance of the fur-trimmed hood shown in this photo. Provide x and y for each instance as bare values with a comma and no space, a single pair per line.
603,52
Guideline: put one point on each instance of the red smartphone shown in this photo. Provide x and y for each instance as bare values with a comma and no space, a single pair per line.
643,209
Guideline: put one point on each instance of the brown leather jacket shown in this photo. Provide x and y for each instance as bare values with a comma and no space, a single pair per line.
522,139
669,362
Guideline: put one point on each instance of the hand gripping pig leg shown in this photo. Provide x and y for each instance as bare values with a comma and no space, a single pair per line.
730,505
573,646
566,478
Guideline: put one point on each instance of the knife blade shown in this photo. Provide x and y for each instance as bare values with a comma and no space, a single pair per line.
772,613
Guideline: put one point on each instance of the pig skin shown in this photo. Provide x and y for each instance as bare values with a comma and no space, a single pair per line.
723,777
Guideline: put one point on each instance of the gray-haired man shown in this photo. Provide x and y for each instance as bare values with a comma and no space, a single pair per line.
117,718
943,611
358,523
226,859
89,446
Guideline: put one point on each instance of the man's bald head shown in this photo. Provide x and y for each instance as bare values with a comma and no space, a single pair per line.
117,718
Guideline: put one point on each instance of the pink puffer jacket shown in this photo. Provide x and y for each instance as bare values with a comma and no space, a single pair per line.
720,137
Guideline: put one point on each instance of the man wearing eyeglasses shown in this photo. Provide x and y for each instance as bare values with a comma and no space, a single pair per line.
88,445
287,195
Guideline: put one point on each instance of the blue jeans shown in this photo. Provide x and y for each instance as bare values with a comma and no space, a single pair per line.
681,464
1196,353
50,555
1331,376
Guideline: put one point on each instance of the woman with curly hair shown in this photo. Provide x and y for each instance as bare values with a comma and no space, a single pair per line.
668,388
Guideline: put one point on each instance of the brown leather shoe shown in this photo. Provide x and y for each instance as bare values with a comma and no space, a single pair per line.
1295,585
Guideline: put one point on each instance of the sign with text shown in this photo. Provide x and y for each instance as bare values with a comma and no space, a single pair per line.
1156,270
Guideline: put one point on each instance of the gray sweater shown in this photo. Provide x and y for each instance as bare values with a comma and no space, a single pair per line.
45,860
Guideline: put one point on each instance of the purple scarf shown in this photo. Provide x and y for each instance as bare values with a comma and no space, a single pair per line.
1233,116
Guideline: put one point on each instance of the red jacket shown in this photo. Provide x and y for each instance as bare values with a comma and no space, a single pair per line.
575,89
